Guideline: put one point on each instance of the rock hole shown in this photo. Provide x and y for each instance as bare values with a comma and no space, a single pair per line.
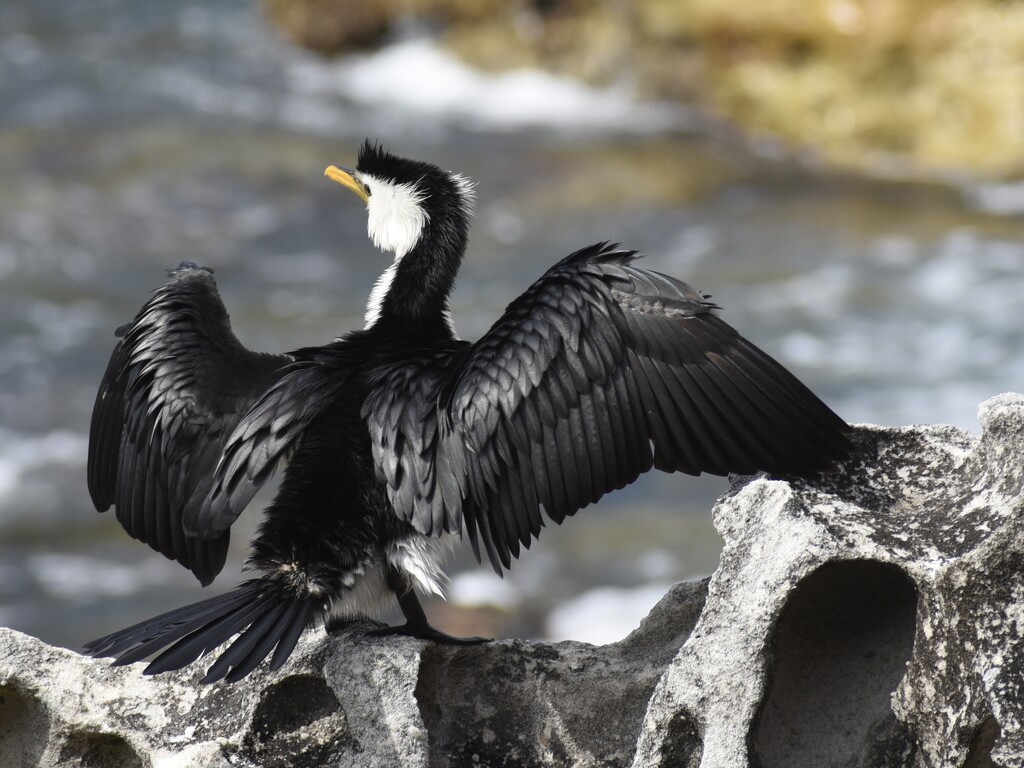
24,727
299,722
840,649
980,754
682,747
291,704
98,750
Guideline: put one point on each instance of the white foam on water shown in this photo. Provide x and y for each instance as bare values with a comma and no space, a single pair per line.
21,453
196,90
916,334
1000,198
62,327
419,79
73,576
604,615
480,587
308,267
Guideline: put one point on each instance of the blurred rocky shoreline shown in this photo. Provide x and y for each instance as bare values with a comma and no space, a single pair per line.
890,88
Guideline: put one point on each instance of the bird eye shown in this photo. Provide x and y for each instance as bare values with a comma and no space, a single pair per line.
366,188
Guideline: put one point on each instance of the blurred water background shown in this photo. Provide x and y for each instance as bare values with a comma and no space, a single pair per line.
135,134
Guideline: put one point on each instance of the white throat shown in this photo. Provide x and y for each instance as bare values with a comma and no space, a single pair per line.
380,290
395,220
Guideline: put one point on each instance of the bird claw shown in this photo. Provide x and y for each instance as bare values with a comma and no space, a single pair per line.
426,633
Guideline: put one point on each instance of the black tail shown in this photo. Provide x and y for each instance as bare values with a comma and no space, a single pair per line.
266,614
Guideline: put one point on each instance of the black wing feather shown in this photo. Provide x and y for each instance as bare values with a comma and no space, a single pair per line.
263,436
401,414
177,383
598,372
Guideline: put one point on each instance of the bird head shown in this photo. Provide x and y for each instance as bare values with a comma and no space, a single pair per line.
404,197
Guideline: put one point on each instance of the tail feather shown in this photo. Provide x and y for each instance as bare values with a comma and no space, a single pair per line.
199,643
160,636
114,643
268,616
252,647
291,636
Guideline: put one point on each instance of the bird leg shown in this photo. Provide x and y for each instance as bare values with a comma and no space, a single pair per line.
416,624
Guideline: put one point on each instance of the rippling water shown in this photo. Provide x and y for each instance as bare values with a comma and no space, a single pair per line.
137,134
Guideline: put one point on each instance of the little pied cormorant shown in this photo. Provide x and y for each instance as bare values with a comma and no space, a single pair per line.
400,435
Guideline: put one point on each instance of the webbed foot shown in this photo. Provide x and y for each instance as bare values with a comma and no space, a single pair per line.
426,632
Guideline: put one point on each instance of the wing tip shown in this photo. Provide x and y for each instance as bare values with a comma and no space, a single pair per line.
603,252
189,269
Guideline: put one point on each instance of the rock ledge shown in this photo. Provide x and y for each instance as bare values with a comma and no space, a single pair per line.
869,618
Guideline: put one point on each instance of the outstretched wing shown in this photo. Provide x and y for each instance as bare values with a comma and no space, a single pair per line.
177,383
595,374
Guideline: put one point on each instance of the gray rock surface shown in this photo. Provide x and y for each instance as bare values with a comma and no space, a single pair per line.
901,575
869,618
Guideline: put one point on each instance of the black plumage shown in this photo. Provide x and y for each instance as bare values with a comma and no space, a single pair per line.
400,436
176,386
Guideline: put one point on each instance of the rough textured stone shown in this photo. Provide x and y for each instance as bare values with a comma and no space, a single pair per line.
825,588
869,618
346,700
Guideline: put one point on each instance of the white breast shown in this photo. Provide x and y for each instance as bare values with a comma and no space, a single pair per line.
395,215
395,220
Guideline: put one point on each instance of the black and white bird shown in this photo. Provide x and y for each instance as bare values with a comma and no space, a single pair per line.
400,438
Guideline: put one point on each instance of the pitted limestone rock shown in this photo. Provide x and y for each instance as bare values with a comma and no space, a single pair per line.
58,708
915,549
345,700
873,617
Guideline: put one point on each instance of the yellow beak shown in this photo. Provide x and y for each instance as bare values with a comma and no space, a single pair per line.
345,178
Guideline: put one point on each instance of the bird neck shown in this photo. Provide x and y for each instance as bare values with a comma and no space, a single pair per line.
412,294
